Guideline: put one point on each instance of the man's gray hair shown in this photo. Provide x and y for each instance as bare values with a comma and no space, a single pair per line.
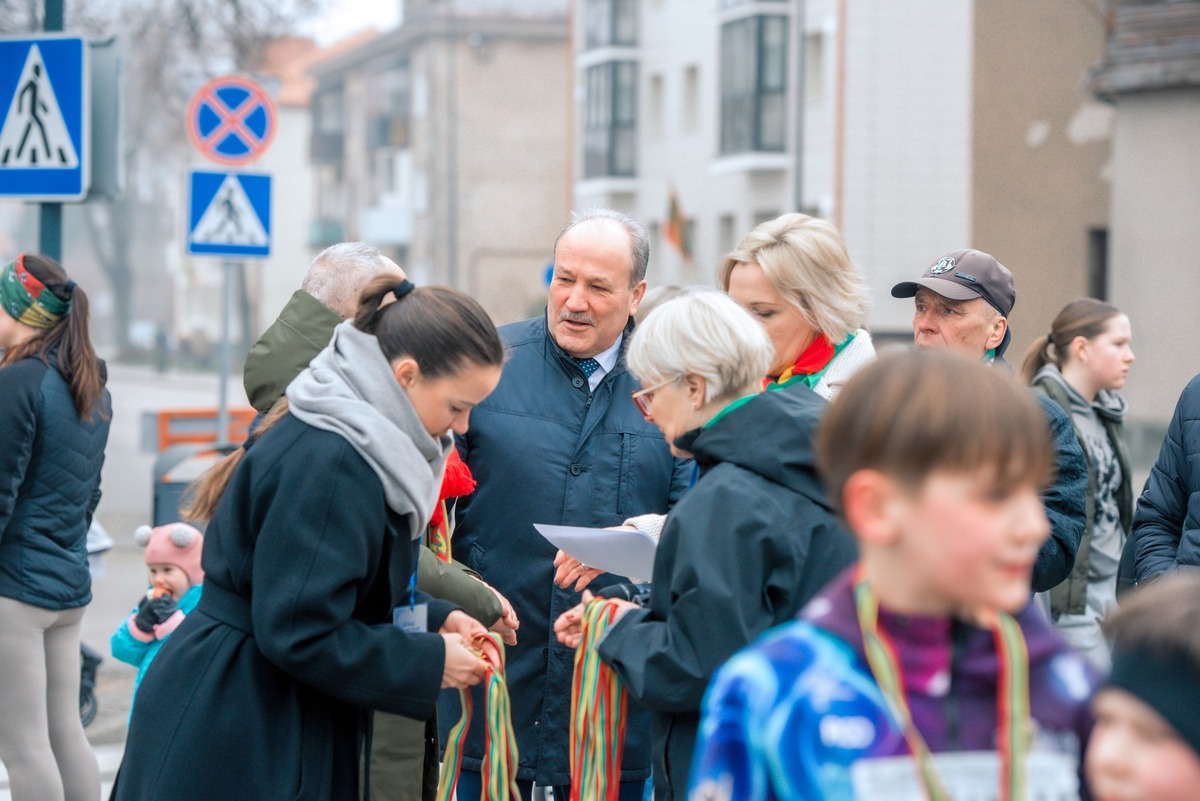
338,274
639,240
705,332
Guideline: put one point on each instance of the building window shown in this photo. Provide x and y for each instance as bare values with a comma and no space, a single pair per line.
754,84
326,138
691,97
611,23
727,224
814,68
1098,263
656,105
610,119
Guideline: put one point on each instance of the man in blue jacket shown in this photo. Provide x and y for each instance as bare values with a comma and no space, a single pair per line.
560,441
962,304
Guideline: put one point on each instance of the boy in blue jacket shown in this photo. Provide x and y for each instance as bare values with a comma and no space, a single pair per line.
923,671
176,581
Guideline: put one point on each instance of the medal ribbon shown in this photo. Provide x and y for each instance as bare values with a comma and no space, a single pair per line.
500,751
598,706
1012,699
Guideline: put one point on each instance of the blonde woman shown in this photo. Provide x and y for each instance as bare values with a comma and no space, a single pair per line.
794,275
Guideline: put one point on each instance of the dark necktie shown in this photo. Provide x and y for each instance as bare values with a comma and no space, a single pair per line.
588,366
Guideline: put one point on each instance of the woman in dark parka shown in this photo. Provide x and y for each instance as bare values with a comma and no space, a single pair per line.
747,546
263,691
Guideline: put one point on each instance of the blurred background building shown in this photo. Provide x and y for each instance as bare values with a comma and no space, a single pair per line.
443,143
916,127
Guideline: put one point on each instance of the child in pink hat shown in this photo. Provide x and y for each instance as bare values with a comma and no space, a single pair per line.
176,581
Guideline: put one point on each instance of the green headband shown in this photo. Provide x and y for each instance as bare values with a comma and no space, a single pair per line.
27,299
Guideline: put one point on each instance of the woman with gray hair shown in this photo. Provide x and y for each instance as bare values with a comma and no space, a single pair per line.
746,547
794,275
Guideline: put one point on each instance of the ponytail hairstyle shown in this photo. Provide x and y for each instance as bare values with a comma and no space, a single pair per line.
442,329
38,292
1085,317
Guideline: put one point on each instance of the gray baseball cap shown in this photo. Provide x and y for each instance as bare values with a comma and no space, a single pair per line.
965,275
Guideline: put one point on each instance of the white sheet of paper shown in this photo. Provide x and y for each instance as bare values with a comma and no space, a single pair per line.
624,552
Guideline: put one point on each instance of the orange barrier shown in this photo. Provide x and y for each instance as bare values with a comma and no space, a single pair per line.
198,427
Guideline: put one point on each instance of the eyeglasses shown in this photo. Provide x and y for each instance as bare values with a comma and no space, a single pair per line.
644,397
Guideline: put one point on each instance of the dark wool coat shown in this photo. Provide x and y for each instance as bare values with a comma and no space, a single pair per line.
546,449
1166,525
742,551
49,485
261,691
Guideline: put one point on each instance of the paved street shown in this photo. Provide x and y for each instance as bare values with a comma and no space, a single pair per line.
126,484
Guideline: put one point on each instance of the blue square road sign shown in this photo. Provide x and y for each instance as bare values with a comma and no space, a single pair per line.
229,214
44,147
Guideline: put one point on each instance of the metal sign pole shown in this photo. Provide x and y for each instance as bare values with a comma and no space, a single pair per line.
50,214
223,399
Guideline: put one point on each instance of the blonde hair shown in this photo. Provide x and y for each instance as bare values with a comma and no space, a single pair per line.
704,332
807,263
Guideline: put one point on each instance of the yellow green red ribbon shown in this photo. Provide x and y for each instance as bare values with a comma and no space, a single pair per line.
598,706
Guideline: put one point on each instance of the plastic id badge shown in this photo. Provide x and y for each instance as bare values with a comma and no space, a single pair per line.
413,619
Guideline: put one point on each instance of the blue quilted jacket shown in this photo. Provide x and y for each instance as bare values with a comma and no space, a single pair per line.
1166,524
49,485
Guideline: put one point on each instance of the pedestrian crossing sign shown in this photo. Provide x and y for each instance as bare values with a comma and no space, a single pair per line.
45,131
229,214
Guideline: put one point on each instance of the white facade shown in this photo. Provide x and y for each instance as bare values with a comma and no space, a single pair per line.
924,126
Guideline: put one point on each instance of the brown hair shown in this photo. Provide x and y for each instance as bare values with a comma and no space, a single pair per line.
76,358
1085,317
1161,618
443,329
912,413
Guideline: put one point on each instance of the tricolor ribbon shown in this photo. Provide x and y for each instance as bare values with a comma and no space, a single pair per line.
598,705
500,751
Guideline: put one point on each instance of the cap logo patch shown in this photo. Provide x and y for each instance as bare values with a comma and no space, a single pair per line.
942,266
967,277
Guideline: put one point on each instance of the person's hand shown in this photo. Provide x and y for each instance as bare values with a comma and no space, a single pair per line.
153,611
570,571
569,626
459,622
473,634
463,668
508,623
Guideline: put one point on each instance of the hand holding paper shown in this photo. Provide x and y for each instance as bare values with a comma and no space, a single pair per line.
623,551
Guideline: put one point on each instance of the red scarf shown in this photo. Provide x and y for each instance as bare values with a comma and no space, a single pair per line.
815,358
456,482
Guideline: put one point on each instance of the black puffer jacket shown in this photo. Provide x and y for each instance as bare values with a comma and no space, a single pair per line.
742,551
49,485
1166,524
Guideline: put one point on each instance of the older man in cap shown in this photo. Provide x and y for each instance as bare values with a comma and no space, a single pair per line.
962,304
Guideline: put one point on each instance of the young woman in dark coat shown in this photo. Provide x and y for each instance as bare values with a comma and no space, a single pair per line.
747,546
307,619
54,415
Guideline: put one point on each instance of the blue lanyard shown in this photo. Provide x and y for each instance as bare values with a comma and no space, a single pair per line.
412,588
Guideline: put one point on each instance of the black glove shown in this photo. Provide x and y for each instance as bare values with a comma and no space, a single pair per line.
152,611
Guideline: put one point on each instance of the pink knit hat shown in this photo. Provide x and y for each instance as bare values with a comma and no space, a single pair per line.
173,544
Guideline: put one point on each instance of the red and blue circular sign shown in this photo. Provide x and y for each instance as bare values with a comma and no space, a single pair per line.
231,120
